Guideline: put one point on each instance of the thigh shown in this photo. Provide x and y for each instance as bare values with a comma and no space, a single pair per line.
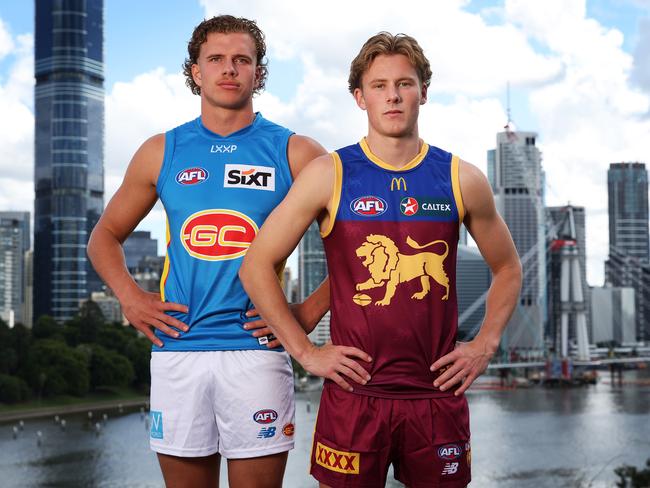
182,472
254,403
259,472
182,421
434,447
352,444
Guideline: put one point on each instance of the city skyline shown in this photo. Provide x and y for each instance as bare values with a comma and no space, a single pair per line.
579,74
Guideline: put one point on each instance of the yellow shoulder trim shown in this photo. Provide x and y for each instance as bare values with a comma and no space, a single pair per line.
455,185
336,194
165,272
382,164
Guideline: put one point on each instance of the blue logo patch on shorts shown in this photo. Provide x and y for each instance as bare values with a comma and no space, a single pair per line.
156,425
266,433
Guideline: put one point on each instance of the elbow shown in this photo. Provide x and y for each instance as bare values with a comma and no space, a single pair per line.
245,273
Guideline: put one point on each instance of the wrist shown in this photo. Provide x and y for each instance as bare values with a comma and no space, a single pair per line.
490,342
302,355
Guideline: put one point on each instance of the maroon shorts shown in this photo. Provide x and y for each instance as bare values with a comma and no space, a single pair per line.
357,437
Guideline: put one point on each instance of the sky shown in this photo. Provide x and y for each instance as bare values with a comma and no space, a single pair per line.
579,75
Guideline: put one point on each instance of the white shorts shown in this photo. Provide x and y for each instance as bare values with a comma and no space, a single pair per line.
237,403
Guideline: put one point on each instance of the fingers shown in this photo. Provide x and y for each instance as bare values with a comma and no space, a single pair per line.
445,360
336,378
252,313
449,373
455,379
162,327
176,307
255,324
273,344
149,334
169,320
351,368
354,352
467,382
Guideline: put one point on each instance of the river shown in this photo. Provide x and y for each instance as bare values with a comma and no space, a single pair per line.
522,438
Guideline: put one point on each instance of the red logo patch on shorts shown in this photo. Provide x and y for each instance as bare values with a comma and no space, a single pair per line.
288,430
339,461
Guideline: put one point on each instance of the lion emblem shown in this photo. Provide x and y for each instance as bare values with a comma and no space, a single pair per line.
388,267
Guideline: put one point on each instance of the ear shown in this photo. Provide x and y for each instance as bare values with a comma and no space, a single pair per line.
423,94
258,76
196,74
358,97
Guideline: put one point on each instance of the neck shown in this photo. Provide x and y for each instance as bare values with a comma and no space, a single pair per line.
224,121
395,151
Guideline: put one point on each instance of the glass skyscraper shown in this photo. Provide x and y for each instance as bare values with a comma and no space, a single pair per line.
69,151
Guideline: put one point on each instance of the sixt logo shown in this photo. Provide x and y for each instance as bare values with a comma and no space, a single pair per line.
223,148
191,176
450,452
156,424
339,461
217,234
249,177
368,206
266,433
266,416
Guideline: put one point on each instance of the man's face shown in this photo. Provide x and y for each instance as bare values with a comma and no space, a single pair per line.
227,70
391,93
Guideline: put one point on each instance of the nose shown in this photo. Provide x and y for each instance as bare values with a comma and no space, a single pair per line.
392,95
229,67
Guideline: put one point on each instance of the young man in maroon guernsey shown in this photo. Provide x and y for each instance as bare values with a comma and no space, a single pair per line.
389,209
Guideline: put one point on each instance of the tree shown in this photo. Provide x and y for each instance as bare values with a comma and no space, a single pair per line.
109,368
55,369
47,328
636,478
12,389
138,350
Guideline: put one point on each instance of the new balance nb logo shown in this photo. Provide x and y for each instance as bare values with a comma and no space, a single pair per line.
266,433
450,468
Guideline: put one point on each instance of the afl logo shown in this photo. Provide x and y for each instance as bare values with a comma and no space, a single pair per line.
409,206
191,176
218,234
368,206
267,416
449,452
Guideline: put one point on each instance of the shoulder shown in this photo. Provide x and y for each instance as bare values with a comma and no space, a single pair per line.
147,161
475,188
301,150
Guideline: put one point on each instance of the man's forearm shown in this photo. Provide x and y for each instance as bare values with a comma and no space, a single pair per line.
263,288
107,257
315,306
501,302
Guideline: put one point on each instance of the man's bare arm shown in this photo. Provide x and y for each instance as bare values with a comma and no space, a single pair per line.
308,198
130,204
469,360
300,151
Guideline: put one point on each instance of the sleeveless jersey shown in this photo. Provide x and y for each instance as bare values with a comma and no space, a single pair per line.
217,191
391,256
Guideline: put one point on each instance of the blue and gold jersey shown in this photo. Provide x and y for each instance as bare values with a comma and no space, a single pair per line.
217,191
391,256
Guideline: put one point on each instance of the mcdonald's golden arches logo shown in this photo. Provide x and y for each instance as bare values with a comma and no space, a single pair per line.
398,182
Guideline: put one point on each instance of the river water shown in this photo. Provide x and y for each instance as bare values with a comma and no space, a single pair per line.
521,438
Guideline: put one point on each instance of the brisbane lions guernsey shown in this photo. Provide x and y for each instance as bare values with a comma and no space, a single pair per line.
217,191
391,256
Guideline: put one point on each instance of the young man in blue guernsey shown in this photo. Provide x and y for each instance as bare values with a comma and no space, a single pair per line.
390,208
220,386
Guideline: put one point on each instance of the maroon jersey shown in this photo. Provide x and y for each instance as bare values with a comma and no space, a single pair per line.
391,256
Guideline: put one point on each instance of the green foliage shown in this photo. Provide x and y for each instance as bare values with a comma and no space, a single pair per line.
109,368
138,350
12,389
47,328
631,477
56,369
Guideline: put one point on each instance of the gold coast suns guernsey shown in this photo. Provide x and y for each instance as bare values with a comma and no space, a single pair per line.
391,256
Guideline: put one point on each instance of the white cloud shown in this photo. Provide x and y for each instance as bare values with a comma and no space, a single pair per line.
17,123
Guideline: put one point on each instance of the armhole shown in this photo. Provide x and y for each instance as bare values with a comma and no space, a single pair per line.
170,143
455,185
284,156
165,273
336,193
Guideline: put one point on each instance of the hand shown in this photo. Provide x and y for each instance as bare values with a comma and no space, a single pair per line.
145,311
330,361
265,330
462,365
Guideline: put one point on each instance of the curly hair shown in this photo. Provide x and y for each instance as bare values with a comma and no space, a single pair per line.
387,43
225,24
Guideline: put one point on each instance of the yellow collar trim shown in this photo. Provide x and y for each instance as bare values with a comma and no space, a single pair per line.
382,164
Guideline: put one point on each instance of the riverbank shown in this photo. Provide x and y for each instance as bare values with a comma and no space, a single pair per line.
68,405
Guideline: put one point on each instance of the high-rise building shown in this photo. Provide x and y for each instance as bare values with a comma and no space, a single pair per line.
613,313
560,230
312,265
473,278
69,151
629,243
515,174
138,246
14,243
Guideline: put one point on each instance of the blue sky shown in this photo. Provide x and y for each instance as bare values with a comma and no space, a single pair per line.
579,73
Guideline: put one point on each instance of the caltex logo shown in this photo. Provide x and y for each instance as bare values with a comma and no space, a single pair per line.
409,206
